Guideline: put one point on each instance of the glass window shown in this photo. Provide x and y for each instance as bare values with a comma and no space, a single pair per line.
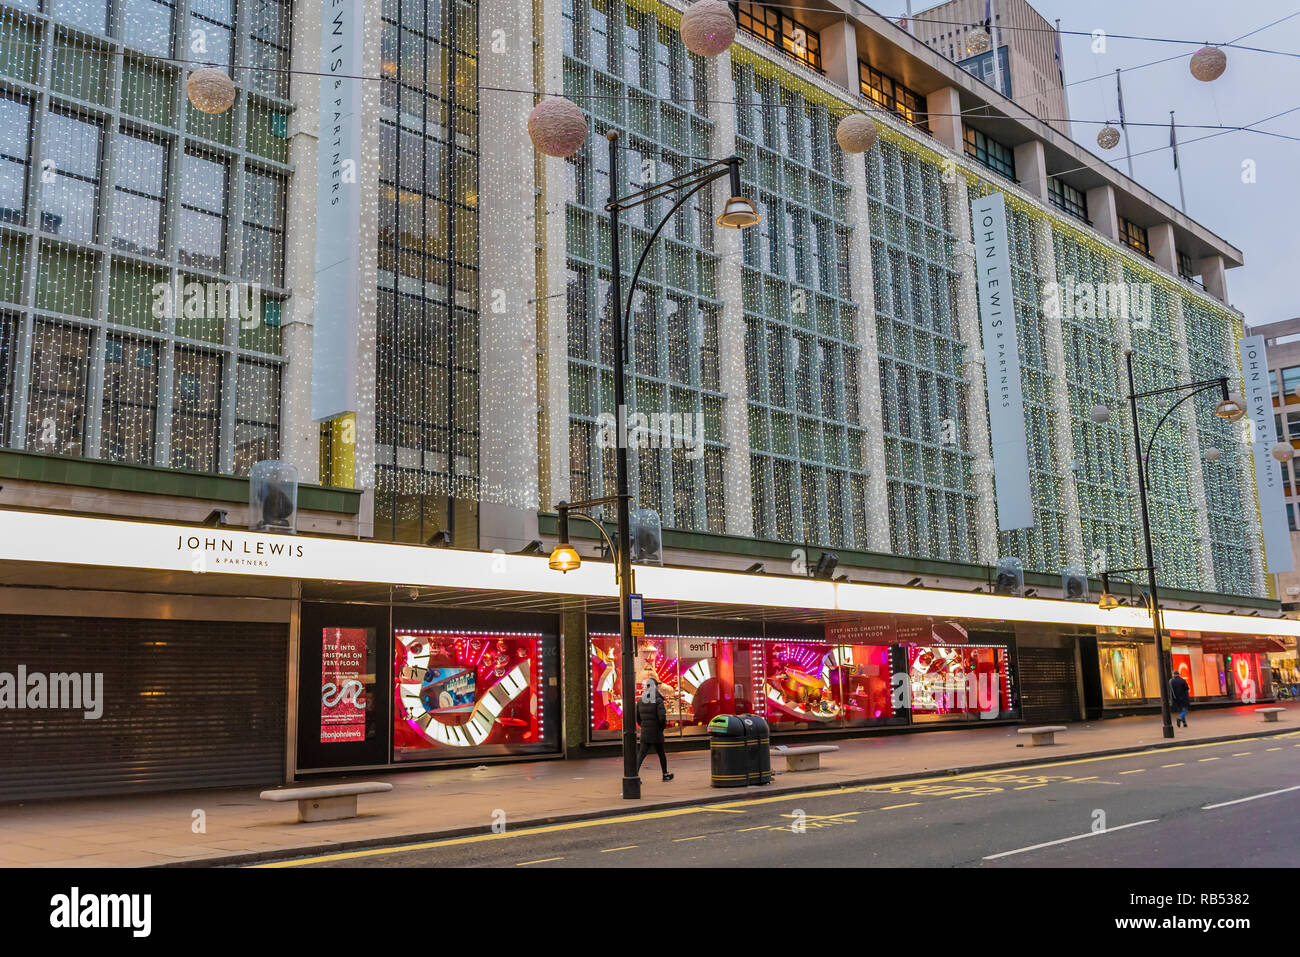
784,33
147,24
70,148
1068,199
1133,235
203,211
990,153
196,411
263,228
130,400
210,31
15,154
1121,672
1290,380
889,94
268,50
56,402
257,414
140,167
89,15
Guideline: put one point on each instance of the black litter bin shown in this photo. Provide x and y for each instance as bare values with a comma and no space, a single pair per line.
739,751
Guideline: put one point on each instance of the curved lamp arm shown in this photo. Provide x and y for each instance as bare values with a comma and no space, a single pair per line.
1154,432
603,534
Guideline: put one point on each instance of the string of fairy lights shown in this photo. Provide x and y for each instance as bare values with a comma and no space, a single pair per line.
201,390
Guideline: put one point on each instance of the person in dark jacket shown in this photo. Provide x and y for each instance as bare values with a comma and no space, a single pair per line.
651,718
1180,697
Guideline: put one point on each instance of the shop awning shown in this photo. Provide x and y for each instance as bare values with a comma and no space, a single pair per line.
42,537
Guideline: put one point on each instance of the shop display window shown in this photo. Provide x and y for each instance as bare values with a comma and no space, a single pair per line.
347,669
1216,679
467,692
700,678
817,684
1182,662
958,682
1121,672
1246,679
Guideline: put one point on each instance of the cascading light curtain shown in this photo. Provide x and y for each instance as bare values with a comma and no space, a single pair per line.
625,65
142,242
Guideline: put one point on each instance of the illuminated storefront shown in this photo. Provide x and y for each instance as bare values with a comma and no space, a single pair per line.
872,671
1217,668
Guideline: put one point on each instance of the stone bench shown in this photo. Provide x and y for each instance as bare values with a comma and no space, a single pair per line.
1270,714
1044,735
803,759
331,802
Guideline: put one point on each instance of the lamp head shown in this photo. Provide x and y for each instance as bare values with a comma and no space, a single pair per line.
565,558
739,213
1107,602
1230,409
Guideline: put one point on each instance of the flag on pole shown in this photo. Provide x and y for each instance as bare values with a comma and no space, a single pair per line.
1119,92
988,17
1173,138
1056,43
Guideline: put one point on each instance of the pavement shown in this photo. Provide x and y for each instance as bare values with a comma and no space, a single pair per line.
227,826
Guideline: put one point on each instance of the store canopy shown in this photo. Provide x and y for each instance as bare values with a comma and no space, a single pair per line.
41,537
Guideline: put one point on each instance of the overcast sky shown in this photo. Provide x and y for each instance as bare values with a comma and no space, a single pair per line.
1261,219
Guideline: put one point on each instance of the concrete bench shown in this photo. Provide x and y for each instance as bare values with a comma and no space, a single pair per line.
1270,714
803,759
1044,735
331,802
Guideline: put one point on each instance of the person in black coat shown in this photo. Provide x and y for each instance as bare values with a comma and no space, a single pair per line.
1180,697
652,718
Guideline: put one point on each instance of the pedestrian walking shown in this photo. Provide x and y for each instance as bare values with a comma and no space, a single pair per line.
1180,697
651,716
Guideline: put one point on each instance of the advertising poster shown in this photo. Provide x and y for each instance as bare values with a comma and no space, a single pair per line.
463,689
342,684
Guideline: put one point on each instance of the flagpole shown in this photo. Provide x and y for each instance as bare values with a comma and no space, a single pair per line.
1173,141
1128,149
1060,68
993,33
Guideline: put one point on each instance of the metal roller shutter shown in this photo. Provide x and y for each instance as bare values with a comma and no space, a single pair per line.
186,704
1048,687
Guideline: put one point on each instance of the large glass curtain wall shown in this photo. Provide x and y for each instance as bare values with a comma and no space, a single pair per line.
427,389
923,388
807,472
141,241
629,70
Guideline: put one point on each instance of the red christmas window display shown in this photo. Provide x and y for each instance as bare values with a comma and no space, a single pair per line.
962,680
811,683
459,689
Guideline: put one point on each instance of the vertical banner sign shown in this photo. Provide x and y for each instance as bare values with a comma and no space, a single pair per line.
1002,363
342,685
1268,471
338,213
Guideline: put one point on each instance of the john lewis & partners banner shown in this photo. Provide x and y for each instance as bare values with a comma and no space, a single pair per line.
1002,363
1268,472
338,212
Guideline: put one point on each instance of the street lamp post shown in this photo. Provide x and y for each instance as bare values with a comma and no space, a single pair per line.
738,213
1226,409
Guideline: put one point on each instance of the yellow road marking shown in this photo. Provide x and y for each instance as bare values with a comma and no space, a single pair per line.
724,810
1091,777
896,806
1024,787
625,847
678,840
544,860
1203,760
1240,753
754,802
1274,749
962,797
1134,771
1178,765
761,827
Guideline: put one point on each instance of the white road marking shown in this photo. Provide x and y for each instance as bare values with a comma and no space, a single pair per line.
1253,797
1067,840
